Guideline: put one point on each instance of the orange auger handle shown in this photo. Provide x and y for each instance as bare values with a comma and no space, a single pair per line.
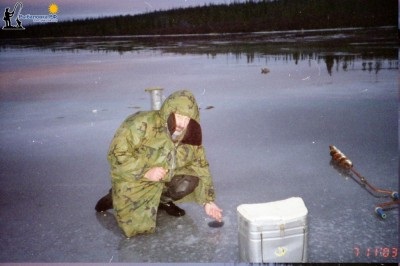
343,161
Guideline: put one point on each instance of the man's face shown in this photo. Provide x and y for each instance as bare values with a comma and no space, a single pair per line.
181,122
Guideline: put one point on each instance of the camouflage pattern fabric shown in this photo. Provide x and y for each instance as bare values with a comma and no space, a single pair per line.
143,142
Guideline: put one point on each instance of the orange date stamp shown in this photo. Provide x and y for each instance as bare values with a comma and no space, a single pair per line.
377,252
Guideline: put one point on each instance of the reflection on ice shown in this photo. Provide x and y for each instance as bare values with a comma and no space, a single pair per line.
350,45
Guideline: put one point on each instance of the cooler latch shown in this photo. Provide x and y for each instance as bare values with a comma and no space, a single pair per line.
282,230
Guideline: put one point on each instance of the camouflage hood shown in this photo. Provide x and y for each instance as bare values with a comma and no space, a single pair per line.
183,103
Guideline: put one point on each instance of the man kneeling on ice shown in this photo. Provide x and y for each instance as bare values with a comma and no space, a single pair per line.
156,159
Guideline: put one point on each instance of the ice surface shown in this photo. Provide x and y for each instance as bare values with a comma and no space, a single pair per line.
267,138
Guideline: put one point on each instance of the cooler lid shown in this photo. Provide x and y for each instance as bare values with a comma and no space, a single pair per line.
283,210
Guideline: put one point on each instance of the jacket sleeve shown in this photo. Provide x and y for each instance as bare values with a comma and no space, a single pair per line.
124,161
200,166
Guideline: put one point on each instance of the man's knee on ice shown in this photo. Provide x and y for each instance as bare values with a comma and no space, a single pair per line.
181,186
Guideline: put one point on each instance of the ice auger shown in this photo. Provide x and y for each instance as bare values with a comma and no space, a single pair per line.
344,163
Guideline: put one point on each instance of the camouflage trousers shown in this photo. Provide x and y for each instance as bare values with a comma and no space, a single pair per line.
136,203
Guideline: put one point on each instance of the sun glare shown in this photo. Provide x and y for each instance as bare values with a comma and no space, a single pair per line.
53,8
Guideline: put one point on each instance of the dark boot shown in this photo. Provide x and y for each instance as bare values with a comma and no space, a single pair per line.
171,209
105,203
179,187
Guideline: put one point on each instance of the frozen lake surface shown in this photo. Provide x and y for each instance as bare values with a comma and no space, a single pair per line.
267,138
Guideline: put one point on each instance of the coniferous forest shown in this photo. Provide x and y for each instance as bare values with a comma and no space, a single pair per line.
251,16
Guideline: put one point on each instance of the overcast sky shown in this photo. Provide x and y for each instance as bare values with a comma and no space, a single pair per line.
75,9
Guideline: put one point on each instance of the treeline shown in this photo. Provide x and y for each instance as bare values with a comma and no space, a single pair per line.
262,15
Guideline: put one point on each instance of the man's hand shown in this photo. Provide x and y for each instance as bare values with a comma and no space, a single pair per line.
213,211
155,174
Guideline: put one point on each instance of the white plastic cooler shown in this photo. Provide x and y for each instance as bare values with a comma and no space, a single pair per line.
273,231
